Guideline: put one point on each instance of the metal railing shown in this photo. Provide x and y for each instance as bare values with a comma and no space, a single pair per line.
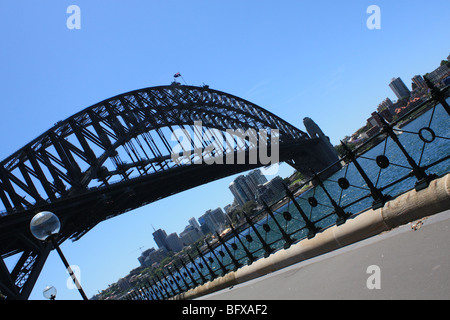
364,182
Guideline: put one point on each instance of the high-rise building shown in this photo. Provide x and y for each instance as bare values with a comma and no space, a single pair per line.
155,256
160,238
437,75
144,256
214,219
385,104
190,235
204,228
241,190
193,222
244,187
256,177
174,242
374,120
419,81
271,191
399,88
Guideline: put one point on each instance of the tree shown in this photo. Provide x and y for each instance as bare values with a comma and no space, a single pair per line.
234,214
249,206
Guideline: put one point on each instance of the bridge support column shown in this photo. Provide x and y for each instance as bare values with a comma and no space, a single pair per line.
318,156
26,271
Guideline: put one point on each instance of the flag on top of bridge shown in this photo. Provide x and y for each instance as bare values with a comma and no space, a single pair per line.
176,75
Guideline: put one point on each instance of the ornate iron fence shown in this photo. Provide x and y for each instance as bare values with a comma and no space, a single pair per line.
383,167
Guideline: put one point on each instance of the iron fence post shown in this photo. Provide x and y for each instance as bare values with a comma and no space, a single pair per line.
194,282
378,197
182,278
287,239
172,290
175,280
437,95
144,293
268,250
158,291
152,291
249,255
165,293
312,229
196,268
423,179
236,263
224,270
211,272
342,215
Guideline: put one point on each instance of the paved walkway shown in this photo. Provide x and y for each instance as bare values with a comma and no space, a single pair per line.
401,264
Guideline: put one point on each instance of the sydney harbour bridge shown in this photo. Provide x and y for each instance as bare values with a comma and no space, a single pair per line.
115,156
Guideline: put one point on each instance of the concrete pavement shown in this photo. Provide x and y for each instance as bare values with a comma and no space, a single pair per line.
405,263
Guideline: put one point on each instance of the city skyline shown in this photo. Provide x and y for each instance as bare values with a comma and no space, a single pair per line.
296,59
254,175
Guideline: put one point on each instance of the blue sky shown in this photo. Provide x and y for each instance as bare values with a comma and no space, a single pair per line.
295,58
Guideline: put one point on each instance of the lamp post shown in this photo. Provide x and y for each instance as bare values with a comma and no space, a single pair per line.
49,292
45,227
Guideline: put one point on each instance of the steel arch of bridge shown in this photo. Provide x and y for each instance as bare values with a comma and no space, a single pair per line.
115,156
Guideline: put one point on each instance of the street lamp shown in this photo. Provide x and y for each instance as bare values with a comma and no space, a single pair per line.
49,292
45,226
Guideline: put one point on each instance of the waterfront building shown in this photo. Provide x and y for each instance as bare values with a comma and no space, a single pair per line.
256,178
374,120
241,191
386,114
399,88
440,73
204,228
193,222
215,220
190,235
419,82
144,255
174,242
372,131
141,259
244,188
160,238
385,104
155,256
270,191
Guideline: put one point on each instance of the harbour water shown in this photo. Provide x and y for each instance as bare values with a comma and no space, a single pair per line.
425,148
